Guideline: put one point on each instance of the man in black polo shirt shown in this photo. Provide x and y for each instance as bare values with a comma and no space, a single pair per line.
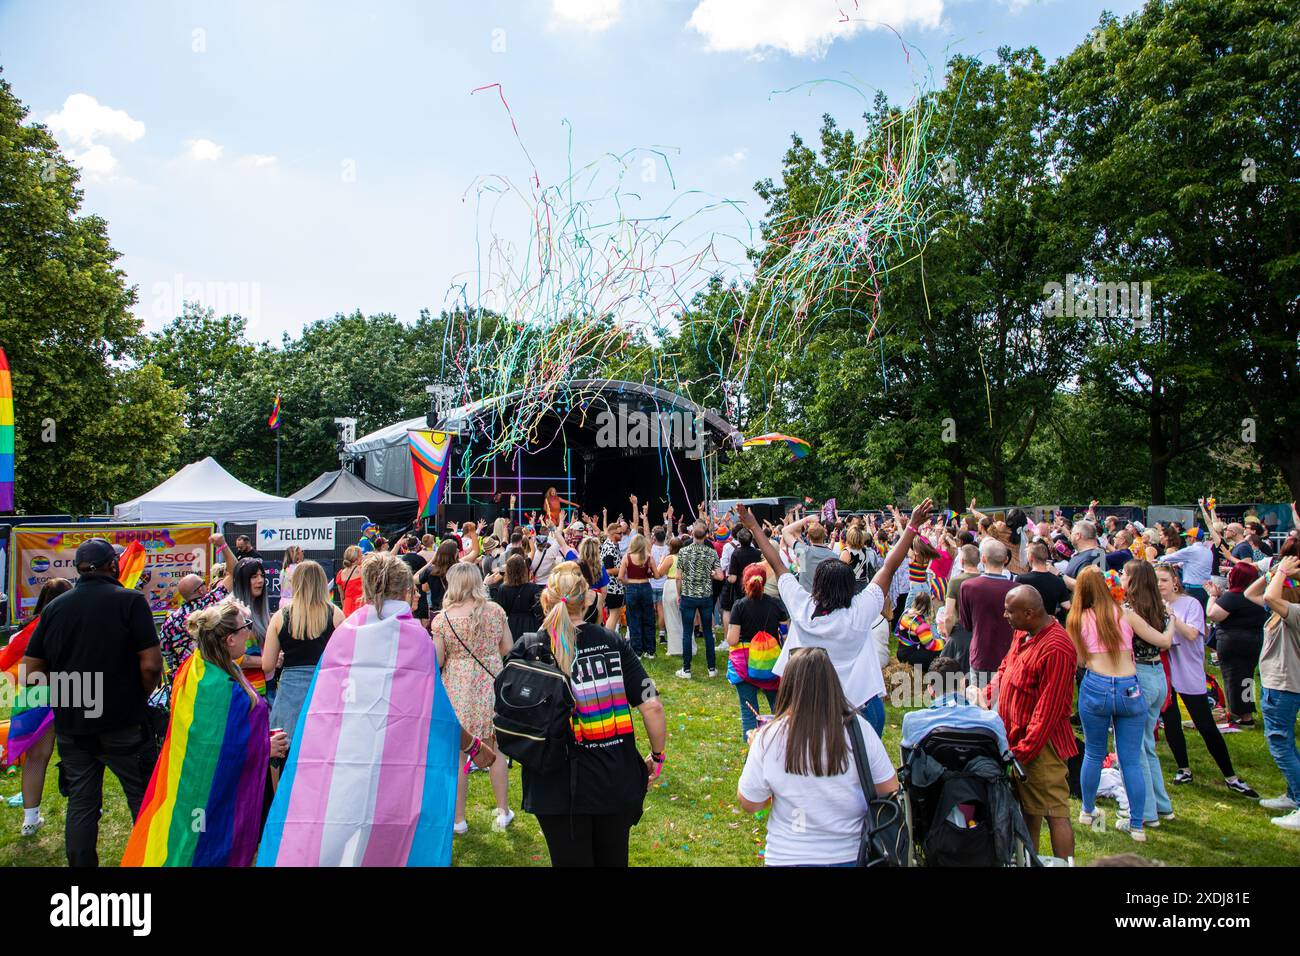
97,647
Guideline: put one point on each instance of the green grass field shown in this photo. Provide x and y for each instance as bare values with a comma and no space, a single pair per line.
692,818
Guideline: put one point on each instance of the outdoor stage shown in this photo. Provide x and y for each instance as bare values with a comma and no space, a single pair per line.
589,449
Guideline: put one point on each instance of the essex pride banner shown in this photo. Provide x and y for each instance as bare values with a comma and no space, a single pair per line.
38,553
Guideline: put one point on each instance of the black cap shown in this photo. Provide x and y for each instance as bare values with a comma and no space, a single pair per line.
94,553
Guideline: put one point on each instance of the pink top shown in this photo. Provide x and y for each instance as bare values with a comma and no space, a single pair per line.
942,565
1092,640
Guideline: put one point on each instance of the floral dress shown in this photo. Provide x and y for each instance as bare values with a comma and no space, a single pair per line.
469,685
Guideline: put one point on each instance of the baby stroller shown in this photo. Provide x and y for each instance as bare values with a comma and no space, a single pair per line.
959,806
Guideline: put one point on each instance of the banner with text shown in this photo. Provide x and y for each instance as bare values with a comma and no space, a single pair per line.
38,553
310,534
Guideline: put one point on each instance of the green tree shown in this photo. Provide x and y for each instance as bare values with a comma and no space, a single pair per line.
91,422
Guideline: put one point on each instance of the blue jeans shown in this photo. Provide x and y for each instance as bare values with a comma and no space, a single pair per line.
873,711
1280,708
1151,678
1105,702
640,605
689,606
748,695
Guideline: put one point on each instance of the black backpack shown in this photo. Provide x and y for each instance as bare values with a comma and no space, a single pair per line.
534,707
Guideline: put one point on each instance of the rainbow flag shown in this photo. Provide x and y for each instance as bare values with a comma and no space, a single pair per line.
6,435
721,533
274,420
428,460
798,447
939,589
371,774
31,715
203,806
130,565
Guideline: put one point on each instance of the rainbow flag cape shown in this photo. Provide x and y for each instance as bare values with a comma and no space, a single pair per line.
274,420
428,460
6,435
31,715
371,775
798,447
130,565
203,806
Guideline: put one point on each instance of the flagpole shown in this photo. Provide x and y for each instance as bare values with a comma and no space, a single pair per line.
277,462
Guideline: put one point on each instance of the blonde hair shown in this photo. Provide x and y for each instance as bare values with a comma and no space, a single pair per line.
210,627
385,577
293,555
501,529
637,546
351,555
311,606
464,583
566,590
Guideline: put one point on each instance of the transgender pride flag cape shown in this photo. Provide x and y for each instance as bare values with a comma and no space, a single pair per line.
371,775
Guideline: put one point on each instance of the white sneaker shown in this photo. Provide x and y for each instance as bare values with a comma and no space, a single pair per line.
30,829
713,672
1095,819
505,819
460,829
1167,816
1289,822
1278,803
1124,826
684,675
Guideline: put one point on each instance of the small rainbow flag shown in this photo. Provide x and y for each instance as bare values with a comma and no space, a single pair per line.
798,447
428,460
31,715
204,802
130,565
6,435
274,420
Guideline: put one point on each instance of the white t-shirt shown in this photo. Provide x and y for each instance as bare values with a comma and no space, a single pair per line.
814,820
845,634
657,554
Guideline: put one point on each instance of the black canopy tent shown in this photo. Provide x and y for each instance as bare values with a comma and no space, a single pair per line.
337,493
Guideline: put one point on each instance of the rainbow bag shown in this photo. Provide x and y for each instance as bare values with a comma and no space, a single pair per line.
764,649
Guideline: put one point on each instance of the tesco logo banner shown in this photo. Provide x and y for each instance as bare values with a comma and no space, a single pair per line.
310,534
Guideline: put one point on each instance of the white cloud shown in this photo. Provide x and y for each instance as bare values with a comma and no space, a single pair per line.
257,160
593,15
84,120
734,158
805,28
204,150
98,161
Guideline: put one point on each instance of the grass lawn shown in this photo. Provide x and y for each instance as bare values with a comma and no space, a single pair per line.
692,819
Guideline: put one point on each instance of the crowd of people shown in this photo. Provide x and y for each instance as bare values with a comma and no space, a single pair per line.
1098,627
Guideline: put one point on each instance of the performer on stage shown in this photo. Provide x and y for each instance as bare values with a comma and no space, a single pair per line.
552,509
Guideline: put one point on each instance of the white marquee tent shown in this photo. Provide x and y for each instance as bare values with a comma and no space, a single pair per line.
204,491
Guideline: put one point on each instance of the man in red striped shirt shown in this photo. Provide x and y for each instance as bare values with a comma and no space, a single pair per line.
1034,689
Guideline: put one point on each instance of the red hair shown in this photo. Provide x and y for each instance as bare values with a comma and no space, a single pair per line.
1241,576
753,579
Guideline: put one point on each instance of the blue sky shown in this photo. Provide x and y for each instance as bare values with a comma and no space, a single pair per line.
291,160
